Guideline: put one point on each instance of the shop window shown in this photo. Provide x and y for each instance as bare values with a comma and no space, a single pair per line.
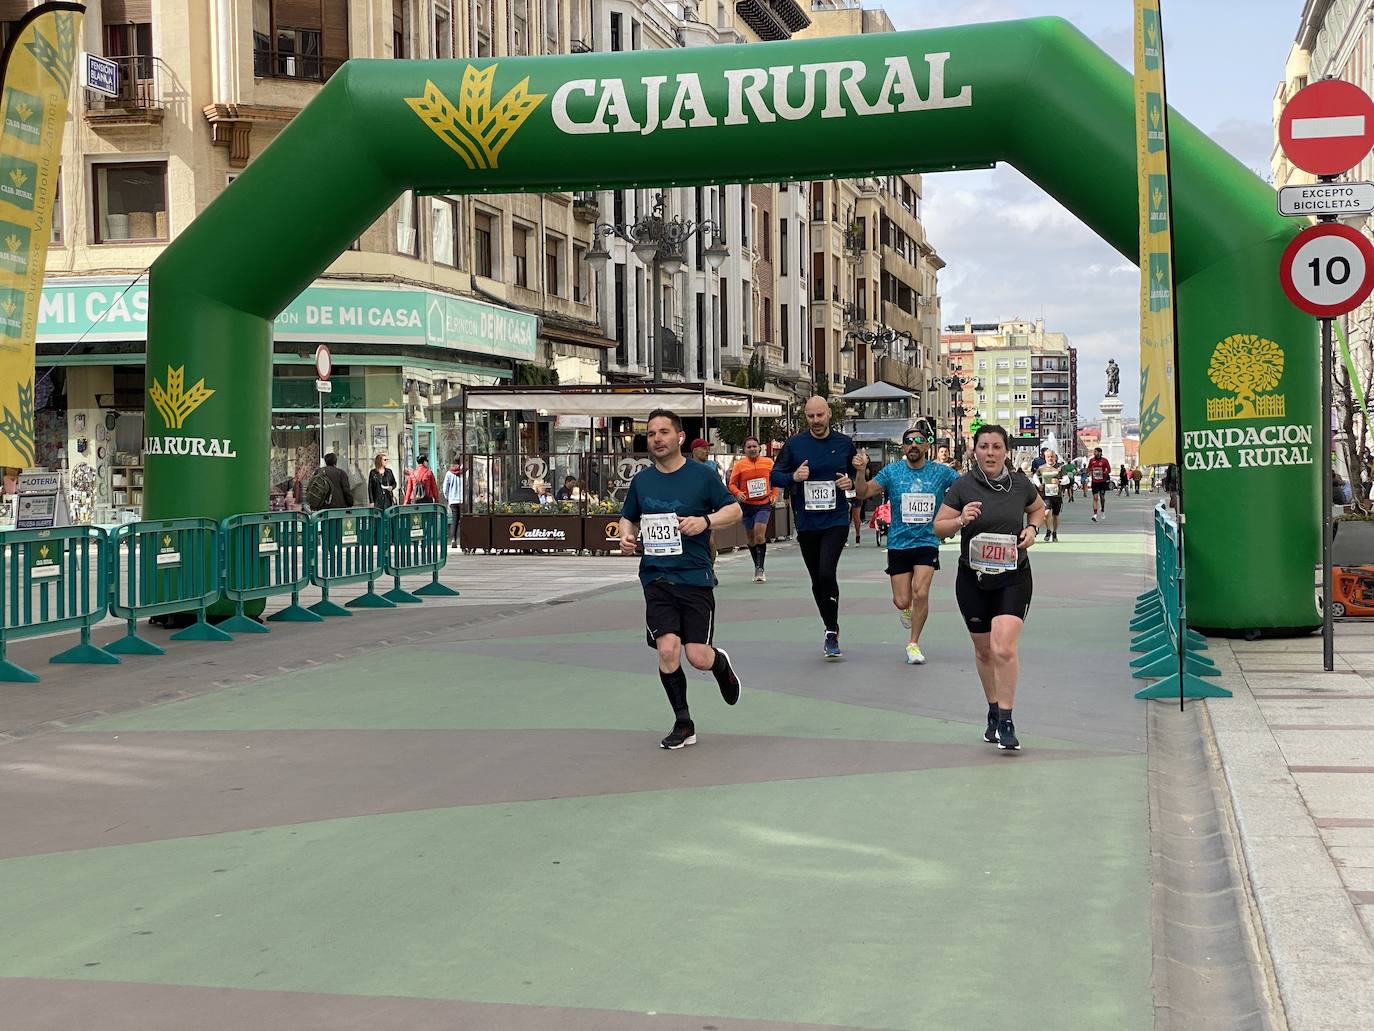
483,244
407,220
443,221
296,39
519,249
129,201
553,254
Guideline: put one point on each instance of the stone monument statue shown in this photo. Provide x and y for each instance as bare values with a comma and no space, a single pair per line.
1113,378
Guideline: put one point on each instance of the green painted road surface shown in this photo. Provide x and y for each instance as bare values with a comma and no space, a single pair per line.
480,831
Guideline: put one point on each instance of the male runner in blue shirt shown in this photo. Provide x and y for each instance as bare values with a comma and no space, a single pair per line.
816,465
915,489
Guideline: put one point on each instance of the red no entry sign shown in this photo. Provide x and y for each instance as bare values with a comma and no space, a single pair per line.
1328,269
1328,127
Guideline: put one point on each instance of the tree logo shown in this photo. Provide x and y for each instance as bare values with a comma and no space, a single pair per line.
175,403
1250,367
476,129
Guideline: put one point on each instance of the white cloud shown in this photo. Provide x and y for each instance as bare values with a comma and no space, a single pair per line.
1014,252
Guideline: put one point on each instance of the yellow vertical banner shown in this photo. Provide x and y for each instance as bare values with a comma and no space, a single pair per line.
1158,419
37,81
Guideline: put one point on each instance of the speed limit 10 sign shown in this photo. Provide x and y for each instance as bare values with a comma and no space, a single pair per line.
1328,269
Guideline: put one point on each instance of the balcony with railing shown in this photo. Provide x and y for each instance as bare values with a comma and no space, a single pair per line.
773,19
296,56
139,100
585,208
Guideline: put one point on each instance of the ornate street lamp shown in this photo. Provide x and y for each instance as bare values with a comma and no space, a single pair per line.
956,384
660,243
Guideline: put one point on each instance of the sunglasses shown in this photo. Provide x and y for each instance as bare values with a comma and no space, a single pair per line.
918,440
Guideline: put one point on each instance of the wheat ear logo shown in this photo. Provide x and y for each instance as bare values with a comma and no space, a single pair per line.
24,111
14,243
1250,367
8,306
475,128
175,403
18,178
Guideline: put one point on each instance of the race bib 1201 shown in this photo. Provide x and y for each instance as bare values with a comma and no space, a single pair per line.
661,534
819,495
918,508
993,552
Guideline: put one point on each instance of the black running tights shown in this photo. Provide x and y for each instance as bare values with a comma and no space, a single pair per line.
821,551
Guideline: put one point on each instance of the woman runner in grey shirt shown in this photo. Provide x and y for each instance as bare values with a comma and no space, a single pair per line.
997,511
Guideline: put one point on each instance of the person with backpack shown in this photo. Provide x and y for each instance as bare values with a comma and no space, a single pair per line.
329,488
421,487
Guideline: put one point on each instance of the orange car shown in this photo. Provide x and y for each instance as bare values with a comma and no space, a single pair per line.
1352,591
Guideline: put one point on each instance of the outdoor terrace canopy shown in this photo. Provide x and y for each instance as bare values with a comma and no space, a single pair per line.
689,399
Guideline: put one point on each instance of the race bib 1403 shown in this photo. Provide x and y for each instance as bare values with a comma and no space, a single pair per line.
918,508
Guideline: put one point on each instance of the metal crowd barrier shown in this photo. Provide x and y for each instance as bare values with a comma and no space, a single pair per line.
161,566
350,548
53,580
267,554
1161,626
416,539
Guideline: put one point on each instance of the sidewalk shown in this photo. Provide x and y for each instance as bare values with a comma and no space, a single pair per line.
1296,747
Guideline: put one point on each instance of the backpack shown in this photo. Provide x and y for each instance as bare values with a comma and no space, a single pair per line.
420,494
318,491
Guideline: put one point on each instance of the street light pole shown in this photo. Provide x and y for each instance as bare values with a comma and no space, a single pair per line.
656,331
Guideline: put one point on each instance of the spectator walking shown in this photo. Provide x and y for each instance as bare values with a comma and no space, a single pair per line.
1136,476
453,494
329,488
421,487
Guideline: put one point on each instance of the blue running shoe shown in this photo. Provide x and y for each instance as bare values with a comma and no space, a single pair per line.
832,645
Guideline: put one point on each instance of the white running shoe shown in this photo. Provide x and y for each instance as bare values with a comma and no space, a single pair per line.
905,617
762,578
914,656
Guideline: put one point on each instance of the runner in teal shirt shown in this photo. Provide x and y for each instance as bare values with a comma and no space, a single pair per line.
915,489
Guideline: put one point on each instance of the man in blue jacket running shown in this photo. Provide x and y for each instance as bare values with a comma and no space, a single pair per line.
817,466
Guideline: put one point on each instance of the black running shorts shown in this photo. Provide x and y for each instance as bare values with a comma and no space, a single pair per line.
1101,488
687,612
980,603
1056,504
905,560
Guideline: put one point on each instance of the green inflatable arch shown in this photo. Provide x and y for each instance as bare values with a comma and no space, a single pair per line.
1035,93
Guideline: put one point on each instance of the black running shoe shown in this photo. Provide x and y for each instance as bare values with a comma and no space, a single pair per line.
1006,736
684,733
990,735
728,680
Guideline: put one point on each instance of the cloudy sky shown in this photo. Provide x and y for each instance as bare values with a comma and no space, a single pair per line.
1014,252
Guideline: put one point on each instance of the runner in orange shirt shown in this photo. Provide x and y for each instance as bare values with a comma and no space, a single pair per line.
749,481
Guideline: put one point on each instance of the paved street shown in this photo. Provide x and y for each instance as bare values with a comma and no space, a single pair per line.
458,816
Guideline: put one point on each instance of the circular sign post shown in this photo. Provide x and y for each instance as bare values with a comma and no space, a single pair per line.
1328,127
324,361
1328,269
324,365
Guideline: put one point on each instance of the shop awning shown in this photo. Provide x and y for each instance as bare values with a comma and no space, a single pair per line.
633,402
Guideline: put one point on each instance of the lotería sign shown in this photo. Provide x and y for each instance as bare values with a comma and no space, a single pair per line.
1327,199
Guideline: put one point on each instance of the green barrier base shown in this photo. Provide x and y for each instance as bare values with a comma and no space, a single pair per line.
241,624
88,653
370,600
325,607
132,644
295,613
201,631
1148,642
12,674
1148,622
1164,665
437,590
1192,688
400,596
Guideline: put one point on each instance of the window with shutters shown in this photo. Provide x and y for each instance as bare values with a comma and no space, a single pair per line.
407,225
553,259
520,251
127,36
483,244
297,39
443,223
